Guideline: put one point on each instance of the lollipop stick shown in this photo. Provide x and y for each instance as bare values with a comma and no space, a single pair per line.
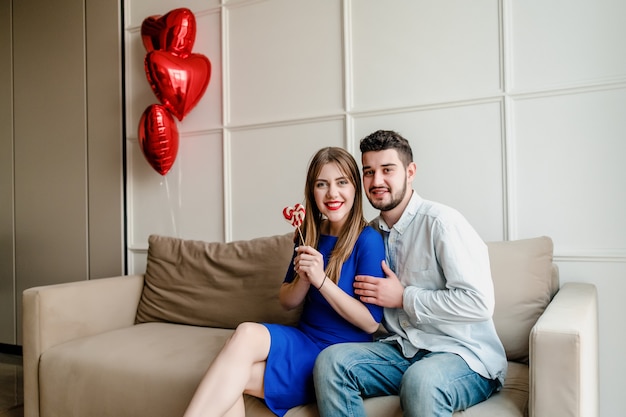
300,233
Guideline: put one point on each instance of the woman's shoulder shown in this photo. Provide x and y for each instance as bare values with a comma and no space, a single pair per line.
370,249
369,234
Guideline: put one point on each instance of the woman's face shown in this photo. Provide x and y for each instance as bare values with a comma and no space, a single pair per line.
334,196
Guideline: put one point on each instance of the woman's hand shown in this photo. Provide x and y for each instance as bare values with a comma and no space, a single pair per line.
309,264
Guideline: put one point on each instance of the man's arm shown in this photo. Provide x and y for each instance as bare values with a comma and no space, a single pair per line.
468,292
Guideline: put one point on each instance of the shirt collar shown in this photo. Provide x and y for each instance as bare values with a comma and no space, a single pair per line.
407,215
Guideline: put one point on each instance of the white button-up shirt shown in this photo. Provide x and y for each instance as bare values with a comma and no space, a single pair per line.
448,299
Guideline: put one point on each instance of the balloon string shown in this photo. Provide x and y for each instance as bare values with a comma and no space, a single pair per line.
169,199
179,172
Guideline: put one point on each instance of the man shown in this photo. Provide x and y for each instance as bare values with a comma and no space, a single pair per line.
442,353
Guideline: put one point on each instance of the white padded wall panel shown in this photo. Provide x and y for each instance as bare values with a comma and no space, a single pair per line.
148,204
200,178
138,92
458,152
137,10
208,112
413,52
570,181
268,172
137,261
556,43
187,202
284,60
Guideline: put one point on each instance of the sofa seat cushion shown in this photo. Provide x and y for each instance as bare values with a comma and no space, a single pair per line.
150,369
511,401
153,369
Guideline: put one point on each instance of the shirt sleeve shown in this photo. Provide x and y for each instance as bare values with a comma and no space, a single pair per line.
467,291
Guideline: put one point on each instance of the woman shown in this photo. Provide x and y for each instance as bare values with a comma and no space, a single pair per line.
275,362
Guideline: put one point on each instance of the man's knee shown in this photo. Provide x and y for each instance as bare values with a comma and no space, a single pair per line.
421,378
330,360
441,381
423,391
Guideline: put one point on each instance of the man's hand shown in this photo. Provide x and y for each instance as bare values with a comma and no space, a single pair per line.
381,292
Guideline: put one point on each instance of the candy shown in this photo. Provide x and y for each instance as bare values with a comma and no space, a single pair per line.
294,215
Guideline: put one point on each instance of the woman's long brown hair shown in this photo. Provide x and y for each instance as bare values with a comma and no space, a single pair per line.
313,219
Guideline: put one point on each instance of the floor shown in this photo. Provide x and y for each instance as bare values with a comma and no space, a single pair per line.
11,386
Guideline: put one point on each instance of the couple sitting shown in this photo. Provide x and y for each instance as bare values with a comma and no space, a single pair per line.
419,264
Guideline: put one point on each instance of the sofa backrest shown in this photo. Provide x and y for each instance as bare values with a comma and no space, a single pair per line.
215,284
223,284
525,279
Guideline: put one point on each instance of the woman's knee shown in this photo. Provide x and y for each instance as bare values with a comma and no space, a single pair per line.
247,336
246,328
247,331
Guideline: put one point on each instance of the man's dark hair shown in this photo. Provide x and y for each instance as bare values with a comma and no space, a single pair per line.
388,139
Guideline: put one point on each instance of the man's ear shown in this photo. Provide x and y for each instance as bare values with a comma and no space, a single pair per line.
411,170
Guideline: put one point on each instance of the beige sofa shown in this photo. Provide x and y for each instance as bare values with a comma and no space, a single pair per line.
138,345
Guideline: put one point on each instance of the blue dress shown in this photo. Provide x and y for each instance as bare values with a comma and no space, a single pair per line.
289,367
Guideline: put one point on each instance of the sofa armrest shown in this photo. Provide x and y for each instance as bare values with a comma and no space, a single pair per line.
54,314
564,355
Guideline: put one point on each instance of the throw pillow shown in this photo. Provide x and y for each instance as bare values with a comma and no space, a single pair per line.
215,284
523,284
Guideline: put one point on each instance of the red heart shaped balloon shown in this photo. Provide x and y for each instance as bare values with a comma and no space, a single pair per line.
173,32
178,82
158,138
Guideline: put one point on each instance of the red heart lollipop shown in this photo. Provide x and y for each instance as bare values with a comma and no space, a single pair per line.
294,215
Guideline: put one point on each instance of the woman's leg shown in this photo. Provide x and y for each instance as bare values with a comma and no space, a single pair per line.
254,388
237,410
238,368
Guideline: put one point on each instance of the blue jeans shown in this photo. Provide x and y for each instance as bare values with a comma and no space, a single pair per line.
431,384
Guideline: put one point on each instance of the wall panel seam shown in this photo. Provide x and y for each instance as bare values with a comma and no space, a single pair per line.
568,90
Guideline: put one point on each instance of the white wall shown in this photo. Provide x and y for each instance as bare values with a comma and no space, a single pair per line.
514,109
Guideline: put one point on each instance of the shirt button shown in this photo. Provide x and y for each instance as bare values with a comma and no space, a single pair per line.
404,323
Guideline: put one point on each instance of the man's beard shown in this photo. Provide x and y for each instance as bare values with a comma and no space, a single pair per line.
396,199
